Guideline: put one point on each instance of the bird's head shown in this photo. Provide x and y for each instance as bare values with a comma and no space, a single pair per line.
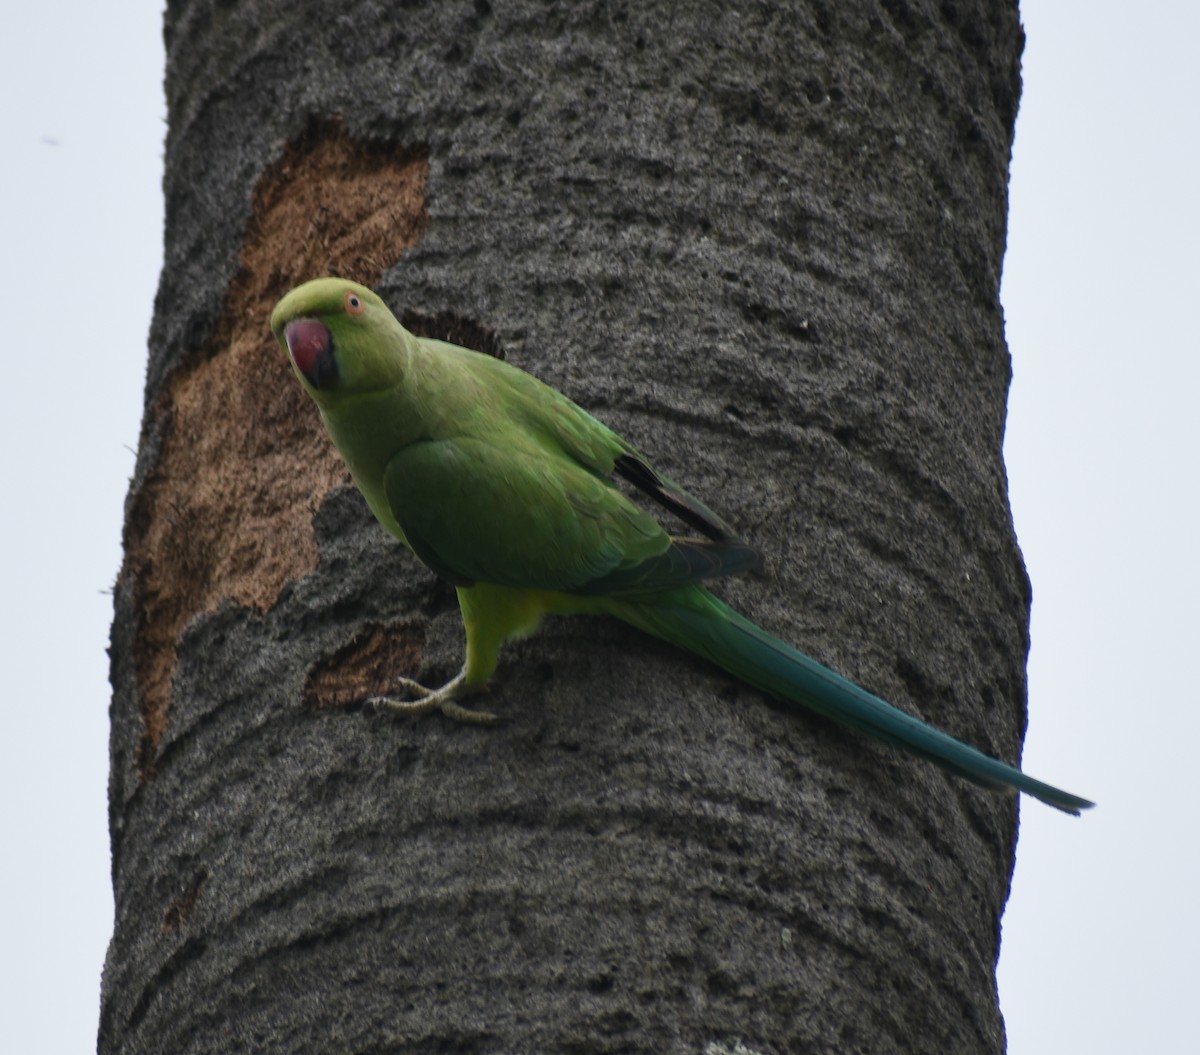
340,337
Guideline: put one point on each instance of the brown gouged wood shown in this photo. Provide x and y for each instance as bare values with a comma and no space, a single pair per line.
226,514
366,666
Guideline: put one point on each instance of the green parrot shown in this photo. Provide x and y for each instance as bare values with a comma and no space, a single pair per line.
505,488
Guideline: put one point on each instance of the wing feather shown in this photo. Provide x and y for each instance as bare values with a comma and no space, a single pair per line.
518,490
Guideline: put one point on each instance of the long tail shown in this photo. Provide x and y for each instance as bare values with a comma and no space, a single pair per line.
696,620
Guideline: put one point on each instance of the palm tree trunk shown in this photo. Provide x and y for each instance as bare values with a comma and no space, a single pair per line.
763,241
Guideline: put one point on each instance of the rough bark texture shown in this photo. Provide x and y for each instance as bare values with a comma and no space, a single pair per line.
763,240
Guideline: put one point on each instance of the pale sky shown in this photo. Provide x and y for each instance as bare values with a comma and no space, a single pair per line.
1101,286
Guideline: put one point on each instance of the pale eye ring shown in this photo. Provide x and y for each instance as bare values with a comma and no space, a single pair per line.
355,305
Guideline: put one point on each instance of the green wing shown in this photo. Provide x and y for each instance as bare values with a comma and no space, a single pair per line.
551,421
477,512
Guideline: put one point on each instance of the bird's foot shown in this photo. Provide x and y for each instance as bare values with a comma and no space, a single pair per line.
444,699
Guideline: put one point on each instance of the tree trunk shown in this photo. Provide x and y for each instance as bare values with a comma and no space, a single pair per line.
762,241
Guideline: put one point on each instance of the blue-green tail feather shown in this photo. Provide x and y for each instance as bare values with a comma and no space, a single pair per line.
696,620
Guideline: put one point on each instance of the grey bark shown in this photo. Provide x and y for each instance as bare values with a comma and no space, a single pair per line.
763,241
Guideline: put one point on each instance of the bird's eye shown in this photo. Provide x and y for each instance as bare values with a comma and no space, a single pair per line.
354,303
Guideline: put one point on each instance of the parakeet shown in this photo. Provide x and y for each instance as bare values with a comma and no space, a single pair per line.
506,489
